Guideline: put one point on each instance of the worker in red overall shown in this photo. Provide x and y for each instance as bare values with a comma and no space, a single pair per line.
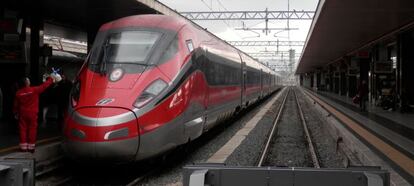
26,108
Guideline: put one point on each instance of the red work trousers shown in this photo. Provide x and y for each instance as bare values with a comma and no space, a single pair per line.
28,130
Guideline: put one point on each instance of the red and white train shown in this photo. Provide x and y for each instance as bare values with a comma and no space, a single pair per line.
151,83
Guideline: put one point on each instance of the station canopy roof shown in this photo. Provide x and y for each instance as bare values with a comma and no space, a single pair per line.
82,15
341,27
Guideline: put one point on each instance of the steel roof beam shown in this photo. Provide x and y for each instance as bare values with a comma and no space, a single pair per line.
250,15
272,55
266,43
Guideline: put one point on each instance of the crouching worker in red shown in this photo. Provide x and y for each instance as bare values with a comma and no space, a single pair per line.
26,107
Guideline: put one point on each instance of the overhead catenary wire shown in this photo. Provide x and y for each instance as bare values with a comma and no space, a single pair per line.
228,25
220,12
219,2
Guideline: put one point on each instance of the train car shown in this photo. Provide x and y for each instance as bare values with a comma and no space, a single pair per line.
151,83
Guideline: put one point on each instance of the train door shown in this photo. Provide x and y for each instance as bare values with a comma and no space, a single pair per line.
243,75
243,83
209,118
261,83
205,64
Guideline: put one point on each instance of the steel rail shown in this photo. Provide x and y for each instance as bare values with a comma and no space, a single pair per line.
140,178
46,171
312,150
264,152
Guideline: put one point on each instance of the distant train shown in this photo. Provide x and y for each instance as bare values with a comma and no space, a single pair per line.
151,83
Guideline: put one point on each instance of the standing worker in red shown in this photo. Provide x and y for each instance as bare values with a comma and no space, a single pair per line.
363,95
26,108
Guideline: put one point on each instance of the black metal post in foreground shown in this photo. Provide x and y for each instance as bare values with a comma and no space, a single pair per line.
221,175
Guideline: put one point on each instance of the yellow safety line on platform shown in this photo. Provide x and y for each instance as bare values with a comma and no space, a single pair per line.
40,142
406,163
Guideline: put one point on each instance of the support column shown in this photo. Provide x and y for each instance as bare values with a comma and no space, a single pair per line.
363,73
336,82
301,80
352,77
398,68
35,27
312,80
343,85
318,79
95,20
331,78
91,34
406,66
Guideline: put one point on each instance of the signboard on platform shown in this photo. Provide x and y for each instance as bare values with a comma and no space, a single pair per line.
353,71
12,52
362,54
383,67
11,27
8,26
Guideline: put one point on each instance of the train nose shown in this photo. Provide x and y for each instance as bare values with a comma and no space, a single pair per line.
107,134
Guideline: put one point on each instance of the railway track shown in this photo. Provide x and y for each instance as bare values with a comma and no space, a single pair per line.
311,148
266,148
64,172
180,156
58,170
51,172
285,119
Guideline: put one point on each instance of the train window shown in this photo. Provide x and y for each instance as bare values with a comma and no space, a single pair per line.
219,71
170,51
129,46
253,76
189,44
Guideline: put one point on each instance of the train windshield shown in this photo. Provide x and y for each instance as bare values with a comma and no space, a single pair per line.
131,47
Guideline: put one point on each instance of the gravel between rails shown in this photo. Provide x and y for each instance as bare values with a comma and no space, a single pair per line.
204,147
248,153
292,148
324,143
288,147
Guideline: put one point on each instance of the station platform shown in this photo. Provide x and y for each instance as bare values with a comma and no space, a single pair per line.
47,132
396,128
395,118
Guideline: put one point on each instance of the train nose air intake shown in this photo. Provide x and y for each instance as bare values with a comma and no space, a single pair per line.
110,134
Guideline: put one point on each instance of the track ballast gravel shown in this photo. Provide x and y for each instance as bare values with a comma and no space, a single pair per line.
292,149
325,144
289,149
204,147
248,153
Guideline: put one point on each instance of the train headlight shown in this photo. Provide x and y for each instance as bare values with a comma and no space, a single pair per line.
150,93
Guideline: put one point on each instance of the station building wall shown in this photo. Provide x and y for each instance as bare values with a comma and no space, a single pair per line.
387,69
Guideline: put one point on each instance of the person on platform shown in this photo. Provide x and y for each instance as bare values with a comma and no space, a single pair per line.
363,95
62,96
46,100
26,108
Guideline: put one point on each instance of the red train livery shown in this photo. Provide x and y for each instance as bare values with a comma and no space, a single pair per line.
151,83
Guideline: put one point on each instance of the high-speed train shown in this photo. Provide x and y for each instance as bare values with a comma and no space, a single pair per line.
151,83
